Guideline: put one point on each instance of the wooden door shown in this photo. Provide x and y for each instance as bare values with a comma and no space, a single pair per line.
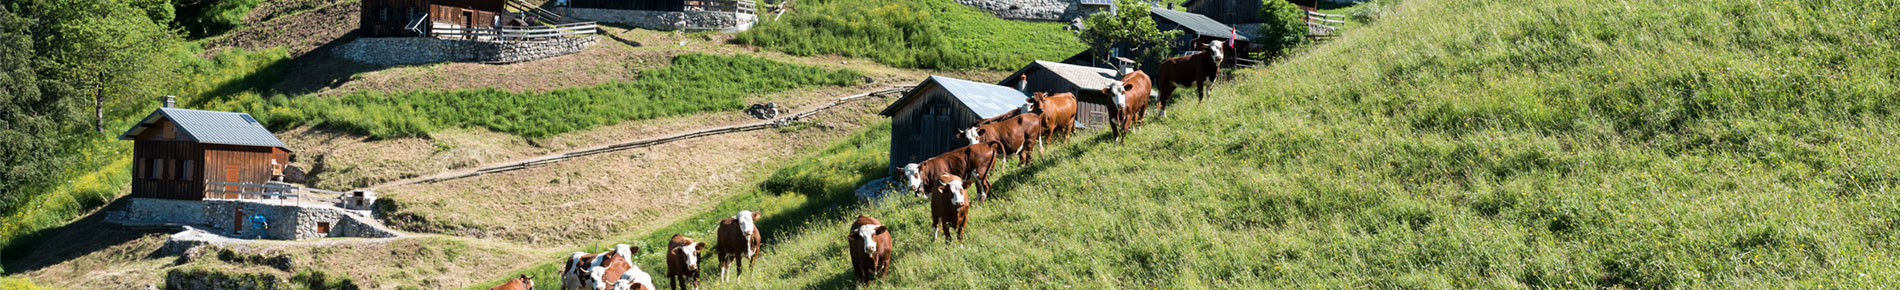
237,224
468,22
230,176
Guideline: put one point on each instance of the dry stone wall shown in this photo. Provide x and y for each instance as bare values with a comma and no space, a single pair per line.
421,50
669,20
287,220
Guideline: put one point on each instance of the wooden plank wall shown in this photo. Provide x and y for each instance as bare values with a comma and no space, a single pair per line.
167,169
251,164
375,23
916,136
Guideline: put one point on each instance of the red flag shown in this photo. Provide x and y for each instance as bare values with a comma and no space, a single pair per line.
1232,34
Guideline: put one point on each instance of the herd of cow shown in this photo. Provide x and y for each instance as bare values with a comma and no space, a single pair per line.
942,180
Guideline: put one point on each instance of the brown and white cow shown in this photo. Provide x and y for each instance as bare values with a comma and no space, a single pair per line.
1018,135
1130,96
1196,69
974,161
738,241
525,282
949,207
869,245
682,261
1057,111
608,270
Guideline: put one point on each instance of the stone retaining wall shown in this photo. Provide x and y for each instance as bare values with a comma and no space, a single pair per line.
421,50
288,221
669,20
1038,10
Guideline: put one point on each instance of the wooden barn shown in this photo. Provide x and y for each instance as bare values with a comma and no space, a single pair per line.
1085,82
925,121
414,18
179,153
1227,11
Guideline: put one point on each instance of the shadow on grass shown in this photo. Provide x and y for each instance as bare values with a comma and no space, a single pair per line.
52,246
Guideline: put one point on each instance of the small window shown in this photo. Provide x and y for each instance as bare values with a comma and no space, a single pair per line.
189,168
382,14
323,228
158,168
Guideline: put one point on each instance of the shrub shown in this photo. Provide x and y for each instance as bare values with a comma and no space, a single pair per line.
1281,29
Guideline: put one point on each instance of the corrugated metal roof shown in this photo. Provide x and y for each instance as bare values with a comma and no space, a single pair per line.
212,127
1199,24
986,100
1085,78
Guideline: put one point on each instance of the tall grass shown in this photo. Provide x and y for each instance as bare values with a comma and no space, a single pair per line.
939,34
693,83
1466,144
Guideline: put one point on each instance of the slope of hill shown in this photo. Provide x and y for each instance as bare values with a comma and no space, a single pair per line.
1576,144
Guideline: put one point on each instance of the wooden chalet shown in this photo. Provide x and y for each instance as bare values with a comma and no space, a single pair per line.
1083,81
1226,11
484,19
185,154
924,123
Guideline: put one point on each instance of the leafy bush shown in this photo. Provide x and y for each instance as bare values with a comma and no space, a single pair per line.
939,34
693,83
1367,12
1282,28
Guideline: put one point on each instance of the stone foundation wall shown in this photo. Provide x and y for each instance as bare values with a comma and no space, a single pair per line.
1037,10
421,50
288,221
669,20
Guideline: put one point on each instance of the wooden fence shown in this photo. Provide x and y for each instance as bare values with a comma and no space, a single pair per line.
551,159
1317,24
239,190
519,32
735,6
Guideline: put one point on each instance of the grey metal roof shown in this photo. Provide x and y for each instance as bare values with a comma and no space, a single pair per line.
986,100
211,127
1198,24
1085,78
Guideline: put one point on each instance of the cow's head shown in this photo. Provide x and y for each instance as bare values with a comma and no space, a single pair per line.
910,176
526,280
865,234
1118,91
634,279
972,134
745,218
1215,47
954,186
691,253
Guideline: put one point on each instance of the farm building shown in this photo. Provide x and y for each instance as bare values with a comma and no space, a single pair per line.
210,170
695,15
1226,11
925,121
484,19
186,154
1195,29
1085,82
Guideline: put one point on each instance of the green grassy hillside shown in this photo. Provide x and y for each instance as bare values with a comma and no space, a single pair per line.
1569,143
938,34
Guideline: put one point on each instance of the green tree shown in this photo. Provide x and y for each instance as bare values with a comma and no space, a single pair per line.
1283,27
29,120
1129,25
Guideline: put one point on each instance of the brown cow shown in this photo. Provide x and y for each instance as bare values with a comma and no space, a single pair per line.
682,261
975,161
1197,70
616,266
1018,135
1057,111
949,207
525,282
738,241
1131,101
869,245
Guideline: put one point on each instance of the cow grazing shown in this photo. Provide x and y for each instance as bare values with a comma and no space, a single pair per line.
869,245
608,270
1131,101
575,275
1018,135
525,282
973,161
682,261
738,241
1196,70
949,207
1057,111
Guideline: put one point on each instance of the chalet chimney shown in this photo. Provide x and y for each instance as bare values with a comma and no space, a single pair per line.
170,100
